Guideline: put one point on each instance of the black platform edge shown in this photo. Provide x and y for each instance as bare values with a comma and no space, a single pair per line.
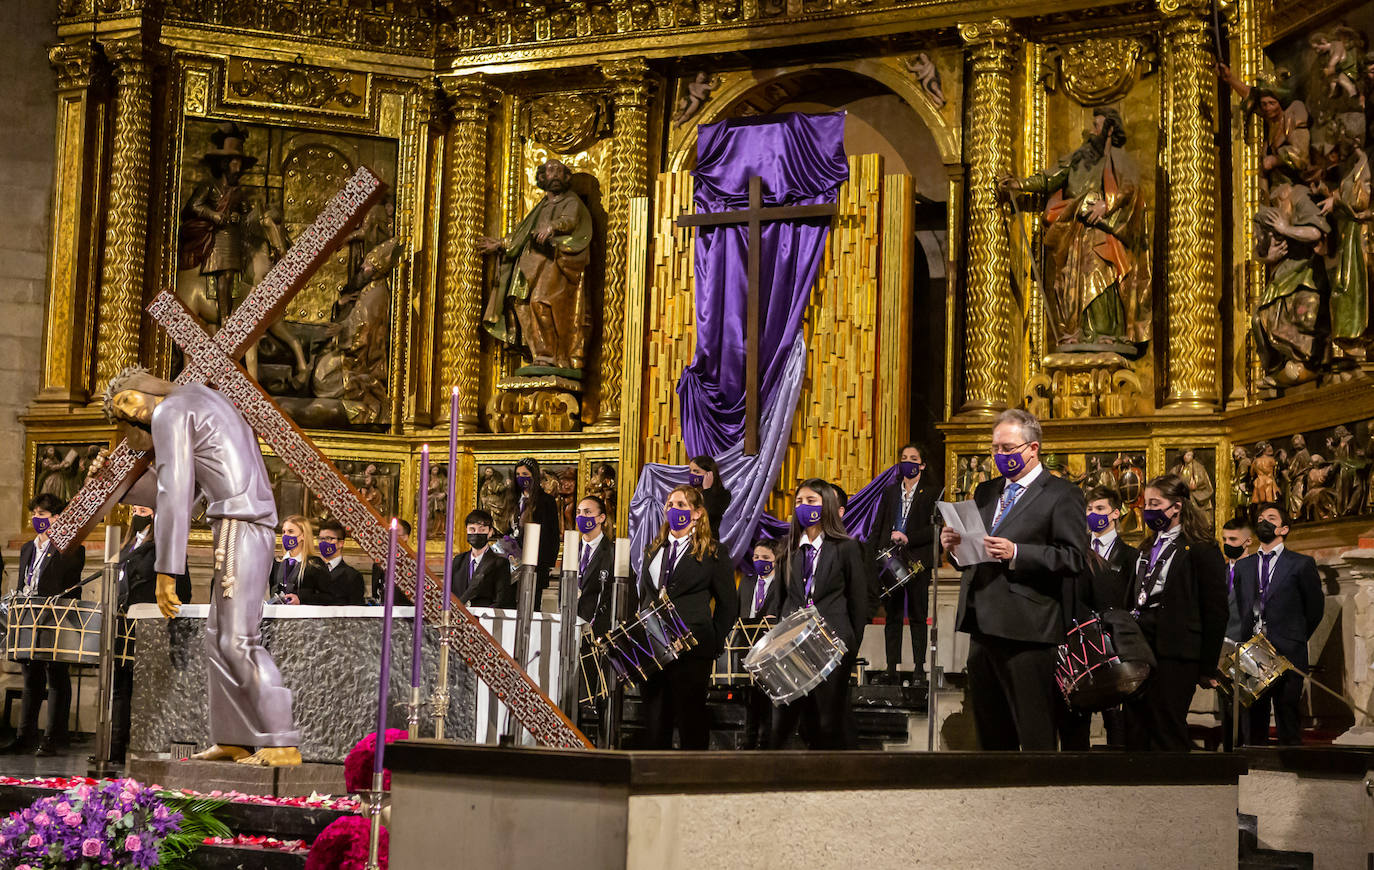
245,857
1334,761
716,772
284,823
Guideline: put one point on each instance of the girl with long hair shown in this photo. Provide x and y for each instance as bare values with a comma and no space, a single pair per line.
1179,598
687,566
825,567
298,562
535,506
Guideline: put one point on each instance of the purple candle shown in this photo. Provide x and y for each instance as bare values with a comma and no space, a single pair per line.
388,598
422,526
452,499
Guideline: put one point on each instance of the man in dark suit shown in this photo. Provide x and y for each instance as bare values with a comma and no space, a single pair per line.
1011,606
1279,595
44,572
137,585
1235,541
904,520
344,584
481,576
596,556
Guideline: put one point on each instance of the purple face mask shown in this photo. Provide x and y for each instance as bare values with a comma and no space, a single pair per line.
808,515
523,483
41,524
586,524
1099,522
909,469
696,480
289,542
1156,519
679,518
328,549
762,567
1010,464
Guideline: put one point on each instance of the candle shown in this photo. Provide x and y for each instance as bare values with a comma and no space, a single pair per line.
388,598
421,526
622,557
452,499
531,554
571,541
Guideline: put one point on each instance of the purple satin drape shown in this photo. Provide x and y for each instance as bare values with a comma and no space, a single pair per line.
859,514
801,161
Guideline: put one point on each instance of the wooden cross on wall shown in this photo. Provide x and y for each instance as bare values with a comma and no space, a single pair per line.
754,216
213,361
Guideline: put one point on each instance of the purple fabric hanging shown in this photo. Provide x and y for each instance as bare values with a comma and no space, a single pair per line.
801,161
859,514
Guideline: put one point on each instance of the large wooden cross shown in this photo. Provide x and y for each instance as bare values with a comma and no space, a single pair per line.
211,361
754,216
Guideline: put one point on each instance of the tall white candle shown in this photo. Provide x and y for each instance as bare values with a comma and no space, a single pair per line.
531,554
622,557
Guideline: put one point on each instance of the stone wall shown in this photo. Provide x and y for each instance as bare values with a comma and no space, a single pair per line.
26,172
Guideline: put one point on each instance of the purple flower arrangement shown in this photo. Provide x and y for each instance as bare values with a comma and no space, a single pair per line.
115,824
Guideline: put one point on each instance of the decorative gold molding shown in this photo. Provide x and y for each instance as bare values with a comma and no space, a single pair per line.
1191,286
566,122
630,86
296,85
893,363
464,221
1099,71
74,64
126,229
988,292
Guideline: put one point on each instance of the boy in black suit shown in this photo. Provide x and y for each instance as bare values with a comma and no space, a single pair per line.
596,553
760,596
1279,594
137,585
904,519
345,583
1235,540
1011,606
45,572
481,576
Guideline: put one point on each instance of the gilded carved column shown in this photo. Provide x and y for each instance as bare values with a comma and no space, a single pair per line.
464,215
72,269
630,84
126,225
987,346
1191,288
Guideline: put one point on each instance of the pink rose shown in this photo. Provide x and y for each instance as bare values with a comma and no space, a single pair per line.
114,815
63,808
42,819
35,841
132,843
73,821
91,848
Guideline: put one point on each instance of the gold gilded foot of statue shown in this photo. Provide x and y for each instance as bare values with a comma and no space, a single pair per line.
274,756
222,752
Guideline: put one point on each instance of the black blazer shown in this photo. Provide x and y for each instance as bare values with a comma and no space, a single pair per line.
703,592
57,573
341,586
1190,621
140,577
1294,607
545,514
1106,581
840,590
1024,602
717,499
308,573
594,585
492,586
772,599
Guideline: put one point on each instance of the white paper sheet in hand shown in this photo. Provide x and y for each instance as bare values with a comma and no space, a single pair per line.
963,517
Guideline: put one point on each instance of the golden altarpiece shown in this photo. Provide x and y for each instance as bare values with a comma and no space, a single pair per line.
959,277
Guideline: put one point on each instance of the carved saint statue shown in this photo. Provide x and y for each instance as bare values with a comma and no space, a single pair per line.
354,368
1096,242
1287,322
1194,473
1288,139
539,279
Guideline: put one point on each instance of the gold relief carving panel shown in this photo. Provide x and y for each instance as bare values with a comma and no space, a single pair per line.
566,123
196,92
670,312
1099,71
296,85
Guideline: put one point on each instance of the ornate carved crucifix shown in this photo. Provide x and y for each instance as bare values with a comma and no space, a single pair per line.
754,217
211,360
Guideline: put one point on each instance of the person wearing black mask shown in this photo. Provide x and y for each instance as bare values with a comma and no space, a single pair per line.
904,521
137,585
1235,540
481,576
704,474
44,572
1178,597
1279,595
1011,607
538,507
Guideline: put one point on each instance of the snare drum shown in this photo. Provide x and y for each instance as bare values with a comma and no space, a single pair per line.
595,685
640,648
729,667
895,569
1089,672
795,656
1255,668
54,630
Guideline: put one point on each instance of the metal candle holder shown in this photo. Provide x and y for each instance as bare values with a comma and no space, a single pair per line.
374,840
438,702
